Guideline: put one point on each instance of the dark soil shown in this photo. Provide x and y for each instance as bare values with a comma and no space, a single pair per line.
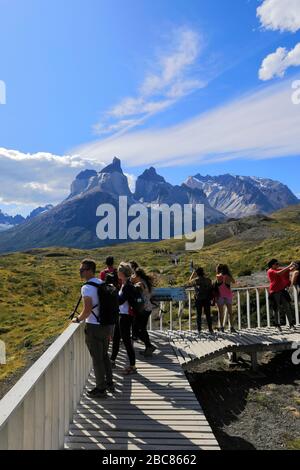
251,410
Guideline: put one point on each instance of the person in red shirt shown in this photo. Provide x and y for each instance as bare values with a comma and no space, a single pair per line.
279,278
110,269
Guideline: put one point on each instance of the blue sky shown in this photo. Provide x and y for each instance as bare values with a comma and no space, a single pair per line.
90,79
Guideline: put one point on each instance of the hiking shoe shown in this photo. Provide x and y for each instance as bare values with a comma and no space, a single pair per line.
110,388
279,328
97,393
148,351
130,370
293,327
221,329
233,330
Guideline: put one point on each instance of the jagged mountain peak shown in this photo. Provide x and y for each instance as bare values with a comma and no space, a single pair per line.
238,196
152,175
114,167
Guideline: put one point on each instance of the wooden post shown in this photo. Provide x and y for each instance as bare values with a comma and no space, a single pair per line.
190,310
254,361
258,308
268,308
296,300
171,316
248,309
239,310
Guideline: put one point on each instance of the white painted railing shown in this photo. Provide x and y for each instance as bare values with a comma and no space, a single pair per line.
183,318
37,411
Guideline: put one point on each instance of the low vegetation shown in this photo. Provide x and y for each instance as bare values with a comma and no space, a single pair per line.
39,288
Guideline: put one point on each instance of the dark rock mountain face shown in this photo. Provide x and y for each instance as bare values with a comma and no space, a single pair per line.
152,188
239,196
73,222
39,210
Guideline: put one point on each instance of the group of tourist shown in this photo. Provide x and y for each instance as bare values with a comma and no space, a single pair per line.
117,305
209,293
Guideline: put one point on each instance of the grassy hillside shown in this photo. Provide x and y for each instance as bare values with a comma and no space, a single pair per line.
38,289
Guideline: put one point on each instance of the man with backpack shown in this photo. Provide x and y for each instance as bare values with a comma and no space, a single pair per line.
203,297
100,311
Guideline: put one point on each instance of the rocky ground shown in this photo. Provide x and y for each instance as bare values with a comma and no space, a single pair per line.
251,410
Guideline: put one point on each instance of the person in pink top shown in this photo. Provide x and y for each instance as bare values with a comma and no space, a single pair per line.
225,295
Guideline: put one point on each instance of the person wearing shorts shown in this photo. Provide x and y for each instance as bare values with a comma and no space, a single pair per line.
225,295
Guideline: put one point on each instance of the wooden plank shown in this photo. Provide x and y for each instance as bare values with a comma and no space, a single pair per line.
141,434
158,403
182,441
78,446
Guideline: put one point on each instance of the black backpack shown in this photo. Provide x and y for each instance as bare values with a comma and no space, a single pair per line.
203,289
112,277
108,303
135,298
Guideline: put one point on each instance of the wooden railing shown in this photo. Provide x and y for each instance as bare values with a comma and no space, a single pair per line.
37,411
248,306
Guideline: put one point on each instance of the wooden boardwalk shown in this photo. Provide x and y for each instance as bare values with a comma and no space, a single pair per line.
190,347
155,409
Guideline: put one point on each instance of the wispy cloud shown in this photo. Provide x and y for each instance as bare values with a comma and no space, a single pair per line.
263,124
171,79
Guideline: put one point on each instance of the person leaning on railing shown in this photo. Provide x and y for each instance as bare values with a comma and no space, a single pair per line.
295,280
280,299
203,297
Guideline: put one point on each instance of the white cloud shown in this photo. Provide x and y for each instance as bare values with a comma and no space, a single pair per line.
36,186
264,124
282,15
161,89
276,64
30,180
131,181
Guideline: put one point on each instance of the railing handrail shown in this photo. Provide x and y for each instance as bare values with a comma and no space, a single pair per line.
245,288
16,395
36,413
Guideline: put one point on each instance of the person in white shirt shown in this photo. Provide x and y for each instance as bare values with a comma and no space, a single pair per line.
96,335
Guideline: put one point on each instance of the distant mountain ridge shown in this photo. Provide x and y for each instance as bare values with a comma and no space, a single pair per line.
72,223
239,196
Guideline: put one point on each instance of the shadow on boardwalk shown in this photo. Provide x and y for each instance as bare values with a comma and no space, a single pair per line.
154,409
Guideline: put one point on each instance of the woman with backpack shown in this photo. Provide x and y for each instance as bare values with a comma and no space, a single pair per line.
224,294
203,297
124,327
145,283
